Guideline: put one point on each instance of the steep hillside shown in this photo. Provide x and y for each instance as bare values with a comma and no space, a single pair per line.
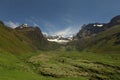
9,42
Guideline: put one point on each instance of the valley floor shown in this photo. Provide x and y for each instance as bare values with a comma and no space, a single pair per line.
60,65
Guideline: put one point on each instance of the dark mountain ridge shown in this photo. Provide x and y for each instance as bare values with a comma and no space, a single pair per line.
94,28
30,38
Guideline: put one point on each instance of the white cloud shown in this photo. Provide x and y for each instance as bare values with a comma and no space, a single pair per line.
35,24
45,33
70,31
12,24
49,27
64,32
33,21
52,29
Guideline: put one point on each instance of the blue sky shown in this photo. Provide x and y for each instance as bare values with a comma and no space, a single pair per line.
58,17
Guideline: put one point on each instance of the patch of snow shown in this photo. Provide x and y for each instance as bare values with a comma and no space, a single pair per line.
100,25
58,41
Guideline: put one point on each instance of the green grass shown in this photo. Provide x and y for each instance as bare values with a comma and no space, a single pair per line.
13,67
77,64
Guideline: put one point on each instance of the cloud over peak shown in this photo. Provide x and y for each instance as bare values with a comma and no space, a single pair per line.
12,24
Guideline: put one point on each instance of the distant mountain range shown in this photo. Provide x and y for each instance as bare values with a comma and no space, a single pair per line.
30,38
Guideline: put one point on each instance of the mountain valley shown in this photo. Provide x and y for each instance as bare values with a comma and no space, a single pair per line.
92,54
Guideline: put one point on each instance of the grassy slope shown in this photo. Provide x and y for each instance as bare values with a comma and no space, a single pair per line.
9,42
86,65
59,65
12,68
